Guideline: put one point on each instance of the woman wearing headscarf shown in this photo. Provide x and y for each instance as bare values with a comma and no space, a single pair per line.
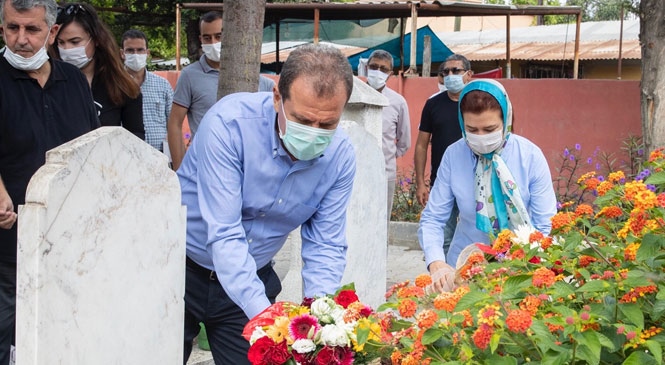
498,179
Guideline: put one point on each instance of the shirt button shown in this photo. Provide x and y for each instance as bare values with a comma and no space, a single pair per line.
250,240
262,215
279,201
274,153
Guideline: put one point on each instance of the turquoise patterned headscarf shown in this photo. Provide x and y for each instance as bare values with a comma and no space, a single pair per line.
499,204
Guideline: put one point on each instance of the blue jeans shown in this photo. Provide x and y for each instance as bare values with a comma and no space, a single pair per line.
207,302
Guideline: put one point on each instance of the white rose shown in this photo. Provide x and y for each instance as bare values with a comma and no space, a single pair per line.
303,346
322,309
333,335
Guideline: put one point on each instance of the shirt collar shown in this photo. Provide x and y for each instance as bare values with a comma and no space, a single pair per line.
205,66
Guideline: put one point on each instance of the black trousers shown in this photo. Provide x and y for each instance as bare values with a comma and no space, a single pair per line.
7,309
207,302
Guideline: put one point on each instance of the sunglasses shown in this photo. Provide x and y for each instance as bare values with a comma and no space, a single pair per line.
375,67
71,9
454,71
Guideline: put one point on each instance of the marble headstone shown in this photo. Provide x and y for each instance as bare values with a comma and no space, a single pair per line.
101,256
366,229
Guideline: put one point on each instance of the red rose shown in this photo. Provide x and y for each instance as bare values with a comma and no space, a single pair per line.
307,302
346,297
334,356
266,352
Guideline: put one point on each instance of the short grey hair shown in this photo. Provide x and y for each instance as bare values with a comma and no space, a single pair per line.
456,57
380,54
50,6
324,65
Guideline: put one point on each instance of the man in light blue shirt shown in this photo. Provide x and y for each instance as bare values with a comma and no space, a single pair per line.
262,165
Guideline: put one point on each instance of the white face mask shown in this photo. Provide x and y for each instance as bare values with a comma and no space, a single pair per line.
212,51
484,143
75,56
35,62
136,62
376,79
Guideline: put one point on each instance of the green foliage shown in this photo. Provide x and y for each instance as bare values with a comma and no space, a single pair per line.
598,10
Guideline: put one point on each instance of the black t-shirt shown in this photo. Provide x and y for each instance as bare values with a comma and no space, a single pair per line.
439,117
128,115
34,120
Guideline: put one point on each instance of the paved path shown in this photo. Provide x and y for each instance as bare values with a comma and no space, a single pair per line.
403,264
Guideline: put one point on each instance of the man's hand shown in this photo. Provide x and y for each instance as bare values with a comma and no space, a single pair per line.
443,277
422,194
7,215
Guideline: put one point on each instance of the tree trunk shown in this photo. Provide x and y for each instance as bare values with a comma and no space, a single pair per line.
652,38
241,46
193,43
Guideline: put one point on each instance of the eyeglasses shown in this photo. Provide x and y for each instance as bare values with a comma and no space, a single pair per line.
454,70
375,67
71,9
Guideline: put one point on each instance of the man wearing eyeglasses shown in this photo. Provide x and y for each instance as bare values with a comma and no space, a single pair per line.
43,104
396,125
157,92
440,126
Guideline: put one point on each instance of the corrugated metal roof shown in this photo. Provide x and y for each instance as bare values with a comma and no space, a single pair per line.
285,48
589,31
598,41
607,50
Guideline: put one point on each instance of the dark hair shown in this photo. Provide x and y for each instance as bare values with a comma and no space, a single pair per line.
456,57
324,65
109,67
380,54
23,5
476,102
133,34
211,16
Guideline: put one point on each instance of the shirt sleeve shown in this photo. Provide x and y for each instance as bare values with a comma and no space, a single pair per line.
132,116
183,90
542,203
168,100
323,236
220,176
426,117
436,213
403,130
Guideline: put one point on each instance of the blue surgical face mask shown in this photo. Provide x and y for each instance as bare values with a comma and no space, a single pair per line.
304,142
454,83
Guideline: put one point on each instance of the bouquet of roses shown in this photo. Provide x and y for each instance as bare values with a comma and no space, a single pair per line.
318,331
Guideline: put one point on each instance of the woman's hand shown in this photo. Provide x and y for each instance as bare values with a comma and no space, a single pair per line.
443,277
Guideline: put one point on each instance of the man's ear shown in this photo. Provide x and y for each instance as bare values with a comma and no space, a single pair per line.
276,98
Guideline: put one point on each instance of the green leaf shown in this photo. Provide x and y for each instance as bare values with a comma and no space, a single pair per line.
594,286
431,335
388,305
362,334
400,324
633,313
649,247
562,290
658,309
656,179
589,347
494,341
471,298
601,231
555,358
656,349
501,360
640,358
514,285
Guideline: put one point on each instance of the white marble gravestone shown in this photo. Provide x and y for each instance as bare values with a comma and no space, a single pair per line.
101,256
366,229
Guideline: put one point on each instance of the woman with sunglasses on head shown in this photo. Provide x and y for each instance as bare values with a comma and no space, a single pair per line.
85,41
499,180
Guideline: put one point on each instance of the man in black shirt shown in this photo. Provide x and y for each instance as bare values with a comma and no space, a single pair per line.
439,124
43,104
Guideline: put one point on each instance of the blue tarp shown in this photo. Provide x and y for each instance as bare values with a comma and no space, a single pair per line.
439,50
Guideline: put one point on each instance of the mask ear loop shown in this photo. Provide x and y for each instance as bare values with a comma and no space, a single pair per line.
281,117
